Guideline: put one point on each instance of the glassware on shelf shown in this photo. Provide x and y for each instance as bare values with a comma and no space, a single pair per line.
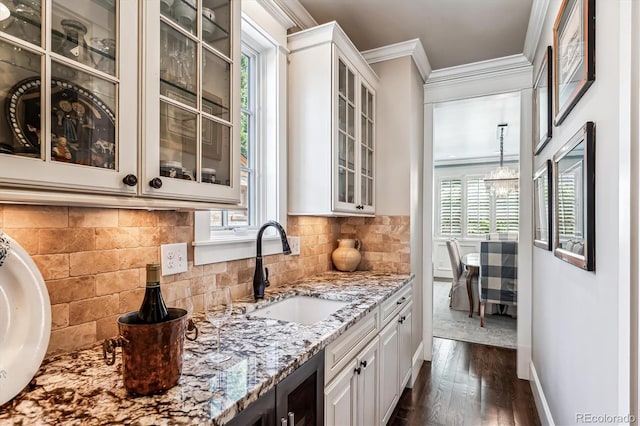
74,45
25,21
217,308
185,13
104,54
208,24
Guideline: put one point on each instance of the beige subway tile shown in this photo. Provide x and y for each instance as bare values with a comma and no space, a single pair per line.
107,327
53,266
137,218
130,300
198,303
226,279
215,268
18,216
72,338
92,309
117,238
138,257
71,289
246,275
149,237
390,257
184,234
167,218
166,235
116,282
1,216
236,265
192,272
66,240
308,241
81,217
93,262
26,237
241,290
59,316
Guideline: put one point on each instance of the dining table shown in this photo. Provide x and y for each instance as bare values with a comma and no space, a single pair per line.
471,262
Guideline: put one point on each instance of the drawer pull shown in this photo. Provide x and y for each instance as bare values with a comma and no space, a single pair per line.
283,422
401,301
363,364
357,370
291,418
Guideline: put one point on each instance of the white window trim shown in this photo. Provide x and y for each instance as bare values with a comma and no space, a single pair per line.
271,162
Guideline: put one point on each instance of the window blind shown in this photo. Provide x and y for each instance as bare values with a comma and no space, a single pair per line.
507,213
566,205
478,207
451,207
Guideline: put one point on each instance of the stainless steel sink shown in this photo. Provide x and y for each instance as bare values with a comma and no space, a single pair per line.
300,309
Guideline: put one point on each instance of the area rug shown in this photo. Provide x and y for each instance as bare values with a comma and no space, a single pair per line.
499,330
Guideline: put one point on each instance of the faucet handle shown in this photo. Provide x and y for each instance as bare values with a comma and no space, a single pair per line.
266,278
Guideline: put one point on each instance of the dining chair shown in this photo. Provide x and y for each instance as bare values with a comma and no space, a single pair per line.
458,296
498,273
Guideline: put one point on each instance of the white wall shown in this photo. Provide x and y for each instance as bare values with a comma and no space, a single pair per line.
581,319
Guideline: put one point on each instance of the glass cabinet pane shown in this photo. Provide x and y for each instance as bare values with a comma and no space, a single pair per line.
25,21
21,91
216,85
178,142
178,70
83,122
350,86
182,12
216,153
91,39
216,22
342,78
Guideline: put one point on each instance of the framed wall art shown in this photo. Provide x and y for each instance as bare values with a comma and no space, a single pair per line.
543,206
542,109
574,44
574,193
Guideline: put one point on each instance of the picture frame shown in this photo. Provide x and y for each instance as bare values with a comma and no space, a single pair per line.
543,103
574,191
574,66
543,206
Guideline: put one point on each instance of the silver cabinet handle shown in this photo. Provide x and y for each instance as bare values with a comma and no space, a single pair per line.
292,421
283,422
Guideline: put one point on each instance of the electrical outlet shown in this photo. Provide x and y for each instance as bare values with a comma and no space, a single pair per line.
174,258
294,244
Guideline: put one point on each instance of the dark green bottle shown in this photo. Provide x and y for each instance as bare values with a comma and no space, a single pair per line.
153,309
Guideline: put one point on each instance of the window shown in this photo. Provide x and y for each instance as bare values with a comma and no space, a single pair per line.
567,206
451,207
466,209
229,235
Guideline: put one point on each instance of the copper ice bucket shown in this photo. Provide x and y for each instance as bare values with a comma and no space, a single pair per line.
151,353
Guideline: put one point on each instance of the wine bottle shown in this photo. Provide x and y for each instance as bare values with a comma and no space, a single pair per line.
153,309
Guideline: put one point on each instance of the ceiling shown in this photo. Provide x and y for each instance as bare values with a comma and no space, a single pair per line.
452,32
467,129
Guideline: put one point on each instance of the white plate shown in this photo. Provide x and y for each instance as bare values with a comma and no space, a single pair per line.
25,320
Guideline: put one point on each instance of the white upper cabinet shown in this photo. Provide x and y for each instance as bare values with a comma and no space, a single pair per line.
331,125
191,146
68,71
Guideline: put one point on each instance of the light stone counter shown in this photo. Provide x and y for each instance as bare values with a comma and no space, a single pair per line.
79,388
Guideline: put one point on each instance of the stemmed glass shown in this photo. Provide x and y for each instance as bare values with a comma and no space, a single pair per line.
179,296
217,308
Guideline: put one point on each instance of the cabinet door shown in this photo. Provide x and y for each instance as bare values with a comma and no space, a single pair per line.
260,413
405,352
67,84
191,100
368,385
367,158
300,396
345,144
389,370
340,397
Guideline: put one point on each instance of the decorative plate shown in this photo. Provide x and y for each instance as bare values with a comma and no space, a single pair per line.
87,122
25,318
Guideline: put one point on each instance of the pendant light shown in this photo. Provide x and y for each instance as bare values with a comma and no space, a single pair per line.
503,180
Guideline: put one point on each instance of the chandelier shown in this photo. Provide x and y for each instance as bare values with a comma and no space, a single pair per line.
502,181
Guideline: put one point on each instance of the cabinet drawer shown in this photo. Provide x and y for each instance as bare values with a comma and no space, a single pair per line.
343,350
394,304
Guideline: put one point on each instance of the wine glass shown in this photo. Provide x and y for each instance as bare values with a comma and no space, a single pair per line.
217,308
179,296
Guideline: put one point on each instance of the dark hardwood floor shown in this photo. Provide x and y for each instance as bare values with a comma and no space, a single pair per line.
467,384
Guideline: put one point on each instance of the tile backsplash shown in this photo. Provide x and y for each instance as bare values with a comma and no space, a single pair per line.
93,259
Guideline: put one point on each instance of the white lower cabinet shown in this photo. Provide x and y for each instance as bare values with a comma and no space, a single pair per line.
389,370
404,345
352,397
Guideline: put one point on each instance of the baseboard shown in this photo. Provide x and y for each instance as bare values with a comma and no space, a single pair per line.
538,395
416,363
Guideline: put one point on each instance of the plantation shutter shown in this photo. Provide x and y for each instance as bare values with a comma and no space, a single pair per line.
478,207
507,213
566,205
451,207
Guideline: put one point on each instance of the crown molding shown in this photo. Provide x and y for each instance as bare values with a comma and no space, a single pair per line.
411,48
296,12
507,64
534,30
277,13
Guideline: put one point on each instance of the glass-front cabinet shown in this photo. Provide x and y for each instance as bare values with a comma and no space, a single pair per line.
191,148
66,69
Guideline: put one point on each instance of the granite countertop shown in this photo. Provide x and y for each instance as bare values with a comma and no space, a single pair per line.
79,388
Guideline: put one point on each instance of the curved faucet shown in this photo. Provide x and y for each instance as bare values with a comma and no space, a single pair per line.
260,279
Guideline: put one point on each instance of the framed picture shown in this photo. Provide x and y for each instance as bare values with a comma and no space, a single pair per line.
542,206
574,188
542,109
574,44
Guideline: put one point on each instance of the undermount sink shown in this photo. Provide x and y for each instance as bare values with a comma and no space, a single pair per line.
300,309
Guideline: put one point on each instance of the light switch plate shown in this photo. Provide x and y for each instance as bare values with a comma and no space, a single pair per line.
294,245
174,258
